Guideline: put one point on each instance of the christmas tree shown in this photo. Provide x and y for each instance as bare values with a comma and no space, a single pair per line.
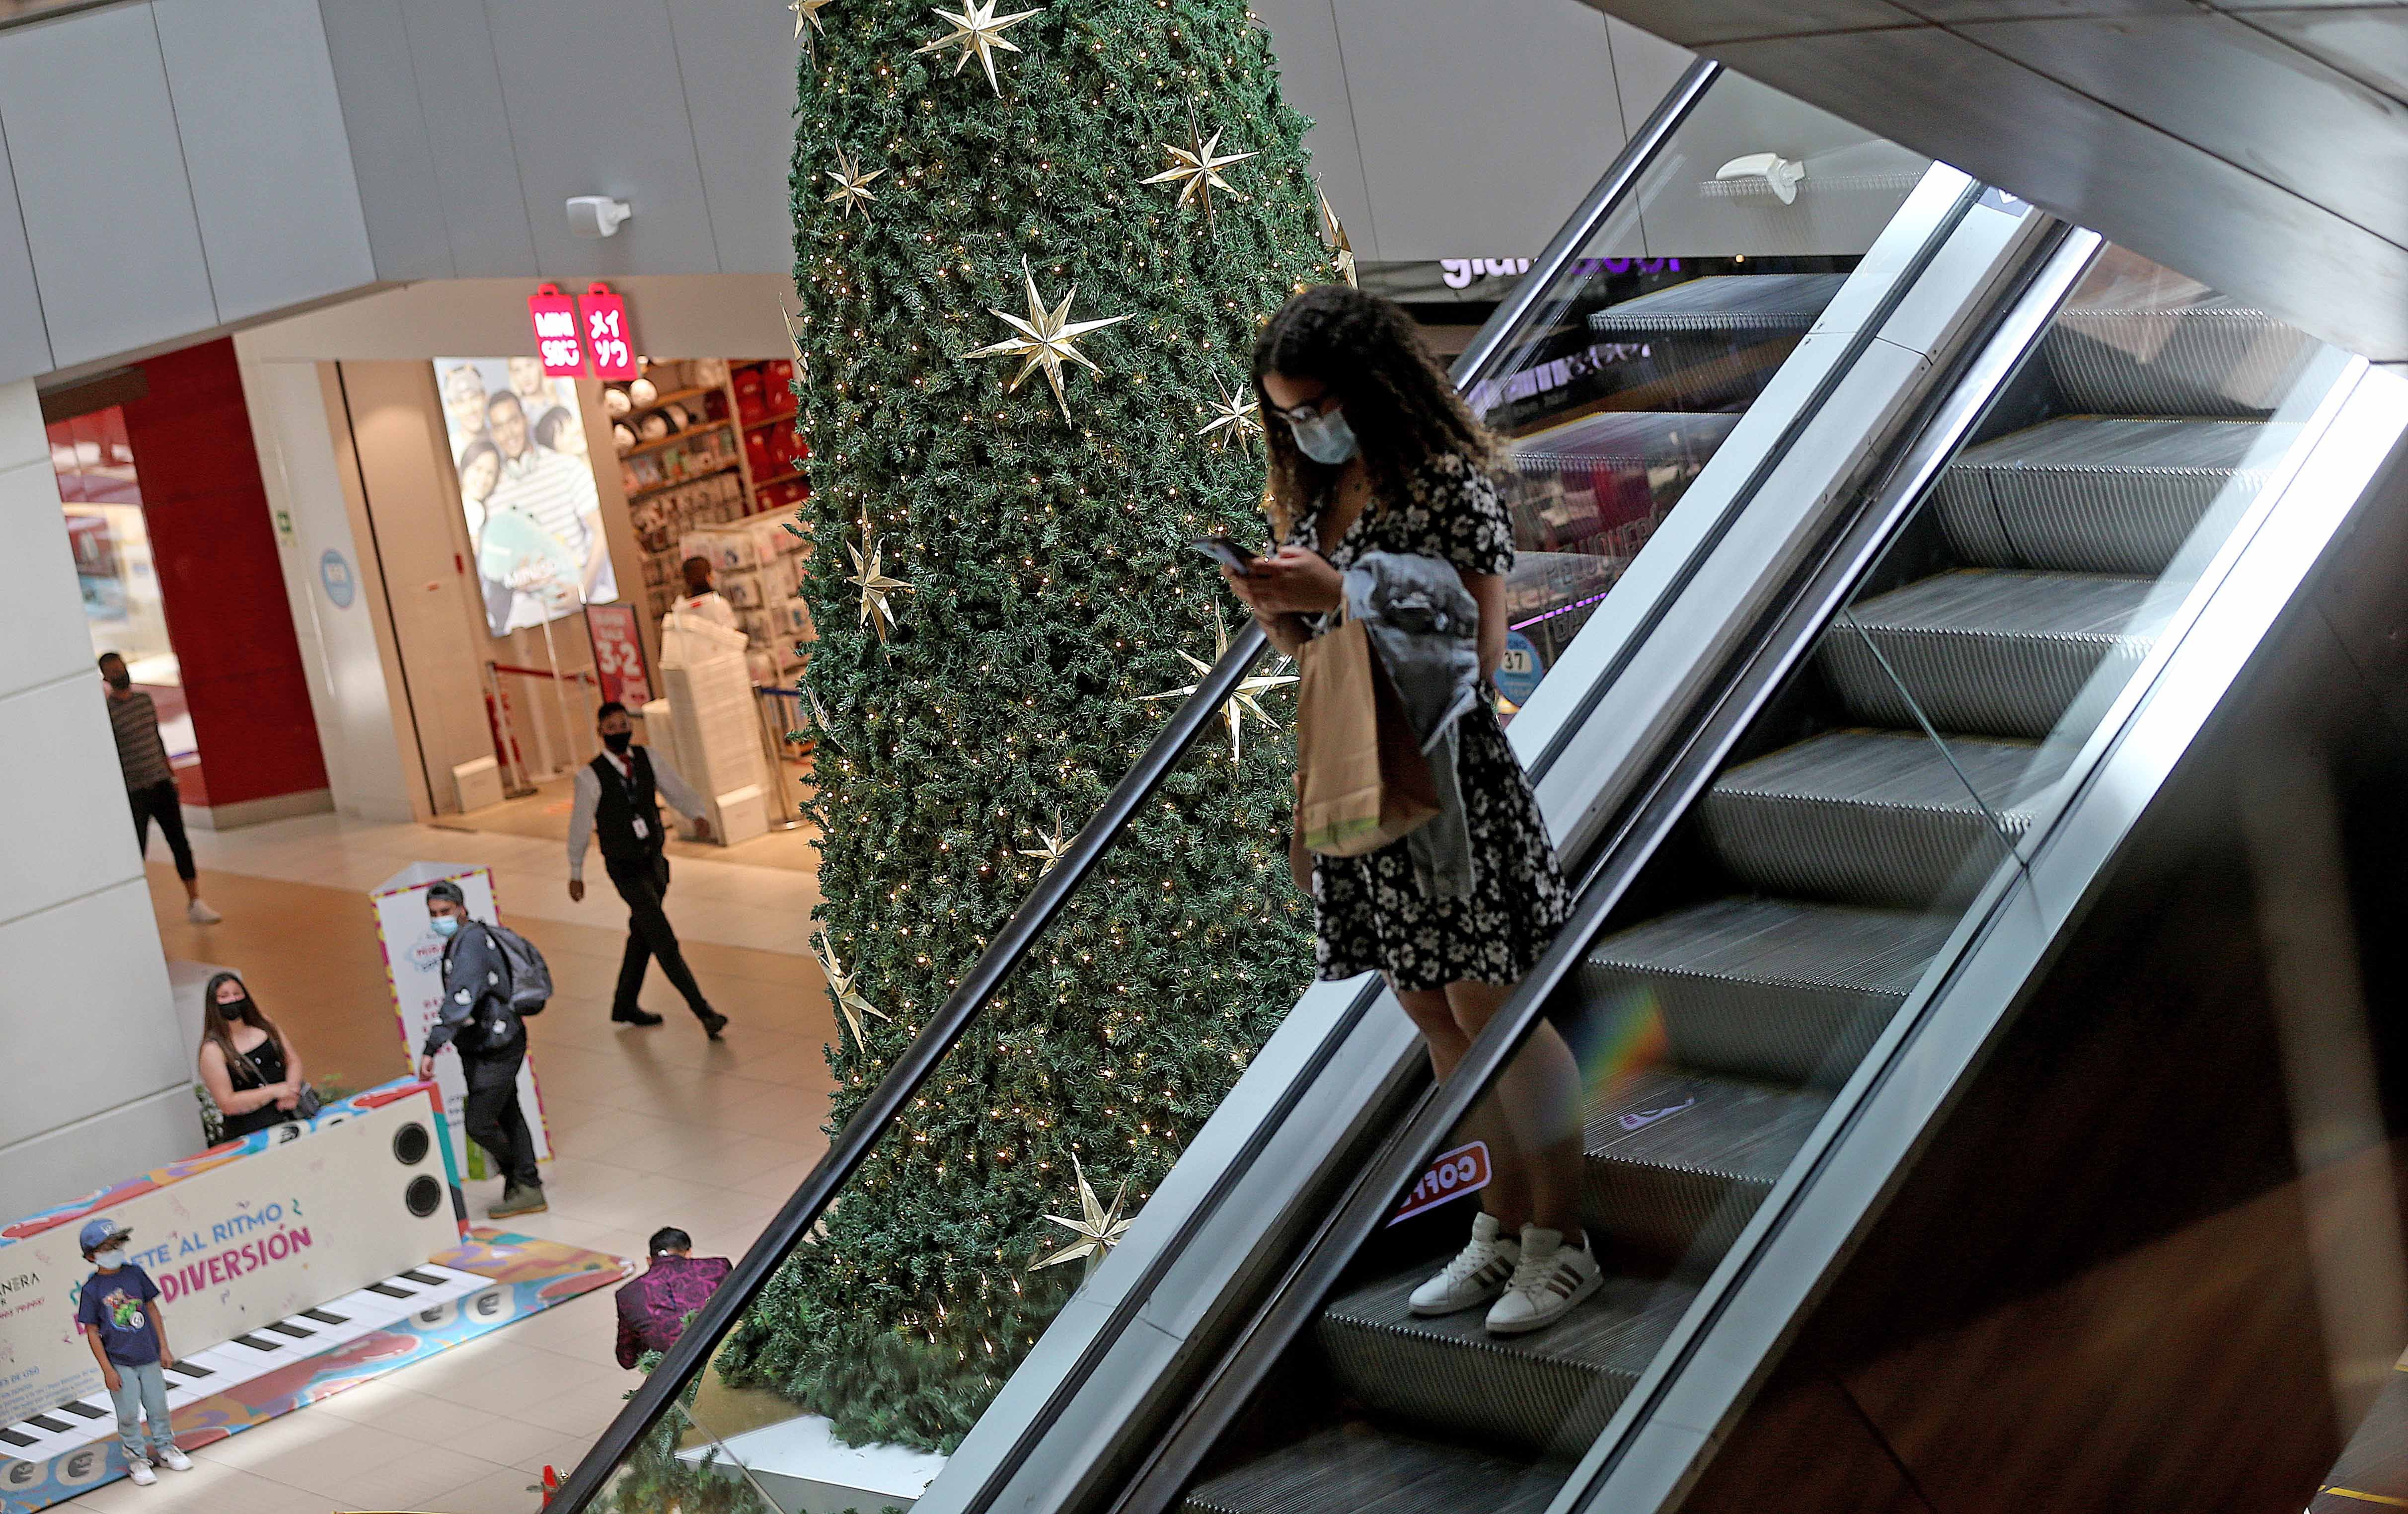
1033,249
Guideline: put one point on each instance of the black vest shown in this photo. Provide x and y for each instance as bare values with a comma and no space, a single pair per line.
622,801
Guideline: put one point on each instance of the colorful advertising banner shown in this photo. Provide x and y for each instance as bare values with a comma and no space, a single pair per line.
526,487
245,1233
413,965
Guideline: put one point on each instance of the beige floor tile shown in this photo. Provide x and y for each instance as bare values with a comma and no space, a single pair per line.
496,1492
204,1489
510,1442
330,1459
412,1481
584,1408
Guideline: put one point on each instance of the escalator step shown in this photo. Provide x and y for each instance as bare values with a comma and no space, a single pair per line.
2094,494
1984,651
1677,1160
1875,816
1358,1469
1553,1389
1771,989
2133,351
1723,303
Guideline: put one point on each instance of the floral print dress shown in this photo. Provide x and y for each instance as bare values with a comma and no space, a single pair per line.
1371,915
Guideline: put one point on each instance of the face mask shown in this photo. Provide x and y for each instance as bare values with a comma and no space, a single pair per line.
617,740
1326,438
446,926
121,681
236,1009
111,1259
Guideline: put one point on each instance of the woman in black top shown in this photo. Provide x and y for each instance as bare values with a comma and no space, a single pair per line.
247,1065
1372,451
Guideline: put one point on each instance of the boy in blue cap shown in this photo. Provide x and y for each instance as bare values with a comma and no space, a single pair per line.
121,1320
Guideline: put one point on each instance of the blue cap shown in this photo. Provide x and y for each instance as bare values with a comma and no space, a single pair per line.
99,1232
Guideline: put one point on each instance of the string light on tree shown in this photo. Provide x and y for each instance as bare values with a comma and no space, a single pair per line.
1045,338
976,31
851,189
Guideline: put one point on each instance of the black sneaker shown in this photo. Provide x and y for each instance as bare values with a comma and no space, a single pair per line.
712,1023
633,1017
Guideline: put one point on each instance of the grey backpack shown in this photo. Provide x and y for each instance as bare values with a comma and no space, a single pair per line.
530,986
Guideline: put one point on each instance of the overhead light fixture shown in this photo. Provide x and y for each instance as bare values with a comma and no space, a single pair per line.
1777,173
596,215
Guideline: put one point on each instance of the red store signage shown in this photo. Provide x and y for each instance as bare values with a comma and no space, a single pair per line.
608,333
1463,1170
555,317
619,654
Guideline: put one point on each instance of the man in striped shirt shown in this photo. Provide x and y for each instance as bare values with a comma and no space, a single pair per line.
150,782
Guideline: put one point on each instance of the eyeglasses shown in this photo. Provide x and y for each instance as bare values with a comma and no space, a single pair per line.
1308,410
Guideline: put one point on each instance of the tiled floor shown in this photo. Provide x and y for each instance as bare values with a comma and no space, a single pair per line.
651,1127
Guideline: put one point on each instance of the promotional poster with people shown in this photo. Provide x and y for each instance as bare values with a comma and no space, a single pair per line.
526,486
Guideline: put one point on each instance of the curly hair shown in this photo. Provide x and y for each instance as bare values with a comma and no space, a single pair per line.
1397,400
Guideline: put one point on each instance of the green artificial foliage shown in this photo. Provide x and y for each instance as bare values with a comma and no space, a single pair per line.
1052,590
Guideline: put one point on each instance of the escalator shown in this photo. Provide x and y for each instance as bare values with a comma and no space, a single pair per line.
1816,883
1849,578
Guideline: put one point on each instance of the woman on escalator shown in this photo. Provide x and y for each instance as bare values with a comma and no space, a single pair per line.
1372,451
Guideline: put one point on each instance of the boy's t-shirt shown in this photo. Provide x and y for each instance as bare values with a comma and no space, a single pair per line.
116,1306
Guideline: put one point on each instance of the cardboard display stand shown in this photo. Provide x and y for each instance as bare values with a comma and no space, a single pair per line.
413,965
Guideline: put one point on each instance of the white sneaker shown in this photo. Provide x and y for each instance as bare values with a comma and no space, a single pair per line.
174,1459
199,913
141,1474
1477,1274
1550,1279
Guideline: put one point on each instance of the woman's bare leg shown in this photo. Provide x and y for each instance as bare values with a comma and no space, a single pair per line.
1508,1193
1539,1096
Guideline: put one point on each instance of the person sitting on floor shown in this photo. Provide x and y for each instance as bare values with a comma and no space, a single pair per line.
655,1307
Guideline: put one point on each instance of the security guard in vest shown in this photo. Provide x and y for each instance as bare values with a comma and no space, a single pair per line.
618,804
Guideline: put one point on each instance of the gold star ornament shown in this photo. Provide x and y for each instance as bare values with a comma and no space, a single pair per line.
1096,1230
978,31
1342,251
848,999
795,340
1237,419
1049,848
1045,338
807,13
852,185
1245,700
870,576
1196,168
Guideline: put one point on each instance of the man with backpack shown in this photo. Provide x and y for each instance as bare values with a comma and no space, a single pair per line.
617,802
484,1004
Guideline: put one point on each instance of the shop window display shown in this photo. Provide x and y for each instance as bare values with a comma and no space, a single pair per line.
526,487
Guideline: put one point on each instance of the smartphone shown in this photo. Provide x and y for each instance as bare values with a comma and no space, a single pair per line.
1226,552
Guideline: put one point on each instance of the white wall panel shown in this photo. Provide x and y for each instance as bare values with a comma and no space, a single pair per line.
264,150
1481,125
469,132
24,341
70,962
392,157
100,179
739,75
595,109
1646,68
1313,79
62,760
146,1131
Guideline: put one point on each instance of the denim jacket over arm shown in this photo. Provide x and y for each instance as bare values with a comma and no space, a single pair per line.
1425,626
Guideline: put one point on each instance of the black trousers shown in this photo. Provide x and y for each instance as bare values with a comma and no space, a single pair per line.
491,1116
643,883
161,803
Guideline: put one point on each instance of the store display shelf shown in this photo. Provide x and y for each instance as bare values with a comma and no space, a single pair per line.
660,443
770,420
778,479
648,492
674,396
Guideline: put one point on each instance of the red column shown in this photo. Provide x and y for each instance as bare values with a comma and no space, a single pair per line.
220,578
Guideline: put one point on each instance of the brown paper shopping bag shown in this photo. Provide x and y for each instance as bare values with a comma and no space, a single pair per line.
1362,780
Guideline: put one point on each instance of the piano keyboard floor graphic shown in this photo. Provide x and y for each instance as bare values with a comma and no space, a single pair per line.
488,1281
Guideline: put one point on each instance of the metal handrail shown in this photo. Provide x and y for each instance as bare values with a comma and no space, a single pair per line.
887,1100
